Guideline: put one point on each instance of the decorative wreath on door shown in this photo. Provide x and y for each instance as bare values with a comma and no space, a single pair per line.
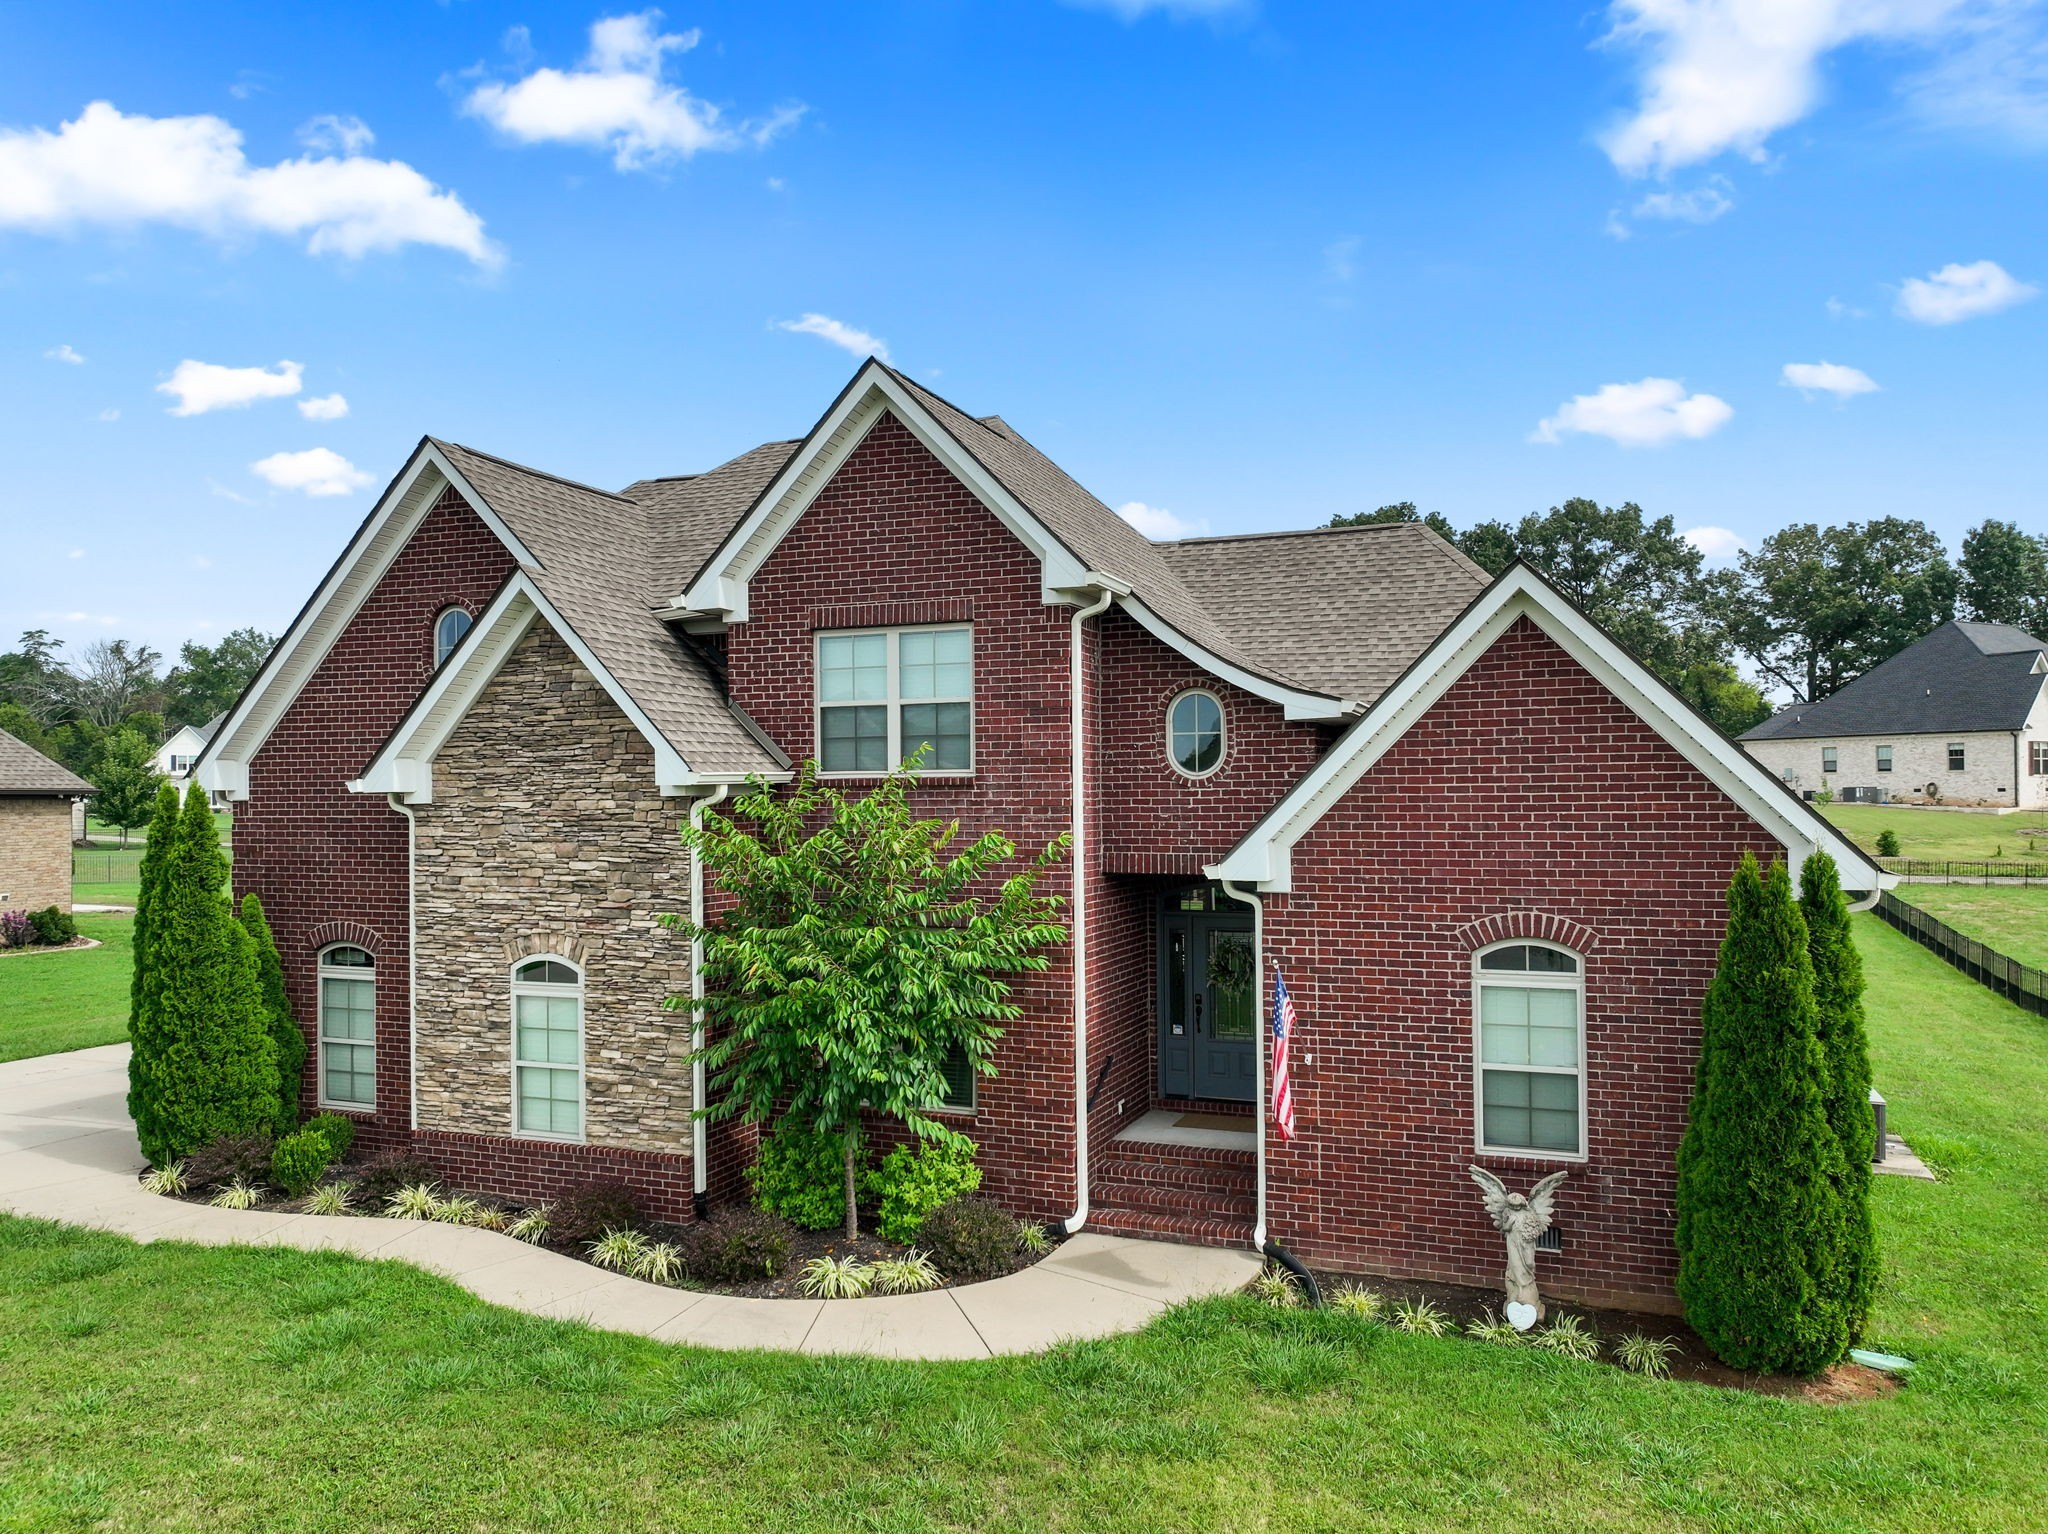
1230,964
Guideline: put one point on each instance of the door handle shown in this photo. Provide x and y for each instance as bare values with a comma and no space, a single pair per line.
1198,1014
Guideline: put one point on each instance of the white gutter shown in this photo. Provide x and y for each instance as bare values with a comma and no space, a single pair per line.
412,967
700,1172
1076,739
1258,1056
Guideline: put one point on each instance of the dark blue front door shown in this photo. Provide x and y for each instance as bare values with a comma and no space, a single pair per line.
1208,1010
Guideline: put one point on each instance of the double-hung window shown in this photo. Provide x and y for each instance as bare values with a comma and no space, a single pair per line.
1830,759
2037,758
884,693
348,1028
1884,758
1529,1022
1956,756
547,1049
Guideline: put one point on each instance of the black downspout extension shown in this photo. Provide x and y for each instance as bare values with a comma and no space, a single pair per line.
1302,1276
700,1205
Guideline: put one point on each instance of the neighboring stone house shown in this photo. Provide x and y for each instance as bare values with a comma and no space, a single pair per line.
174,758
1959,717
1486,849
36,800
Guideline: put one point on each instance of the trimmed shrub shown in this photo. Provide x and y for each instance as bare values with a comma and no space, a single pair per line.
16,930
913,1180
801,1177
53,925
583,1214
1760,1216
339,1129
971,1238
381,1176
745,1246
1845,1088
299,1159
231,1158
285,1037
1887,847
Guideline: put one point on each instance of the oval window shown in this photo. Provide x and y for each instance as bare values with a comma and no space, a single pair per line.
1194,734
448,631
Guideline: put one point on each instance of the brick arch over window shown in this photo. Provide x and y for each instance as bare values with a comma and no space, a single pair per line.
354,933
573,946
1543,926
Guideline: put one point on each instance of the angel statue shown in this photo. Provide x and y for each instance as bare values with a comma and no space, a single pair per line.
1520,1220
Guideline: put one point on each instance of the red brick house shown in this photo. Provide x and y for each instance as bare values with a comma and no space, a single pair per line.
1485,848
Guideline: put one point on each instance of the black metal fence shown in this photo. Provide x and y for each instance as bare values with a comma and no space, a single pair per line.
2019,983
2009,871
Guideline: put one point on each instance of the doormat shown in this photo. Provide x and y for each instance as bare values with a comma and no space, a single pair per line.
1239,1121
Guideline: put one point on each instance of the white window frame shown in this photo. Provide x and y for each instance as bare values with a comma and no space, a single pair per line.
1222,732
1958,748
442,653
519,988
1830,760
1528,980
322,973
1884,758
893,703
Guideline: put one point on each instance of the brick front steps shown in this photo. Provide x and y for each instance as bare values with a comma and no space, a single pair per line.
1198,1194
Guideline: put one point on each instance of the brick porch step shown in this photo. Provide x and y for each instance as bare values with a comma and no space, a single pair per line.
1196,1193
1149,1226
1224,1181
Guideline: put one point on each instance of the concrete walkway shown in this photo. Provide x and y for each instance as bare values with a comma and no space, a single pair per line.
68,1152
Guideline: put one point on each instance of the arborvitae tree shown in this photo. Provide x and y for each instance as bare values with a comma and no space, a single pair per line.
1760,1171
163,831
203,1065
277,1011
1845,1057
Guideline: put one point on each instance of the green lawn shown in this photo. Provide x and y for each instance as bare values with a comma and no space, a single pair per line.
2011,918
1942,835
50,1002
178,1388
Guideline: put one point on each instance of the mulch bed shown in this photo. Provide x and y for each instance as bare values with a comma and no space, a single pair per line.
1845,1382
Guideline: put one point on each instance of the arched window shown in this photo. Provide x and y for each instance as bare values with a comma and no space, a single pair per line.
1529,1036
448,631
547,1048
1194,733
348,1028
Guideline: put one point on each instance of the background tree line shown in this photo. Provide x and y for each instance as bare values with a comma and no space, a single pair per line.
105,710
1809,609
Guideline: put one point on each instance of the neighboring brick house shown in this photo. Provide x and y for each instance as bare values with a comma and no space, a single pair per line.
1957,717
1431,800
37,798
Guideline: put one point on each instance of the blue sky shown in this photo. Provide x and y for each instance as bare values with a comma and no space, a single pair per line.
1243,264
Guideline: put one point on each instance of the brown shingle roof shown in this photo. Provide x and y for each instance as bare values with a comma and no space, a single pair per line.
25,772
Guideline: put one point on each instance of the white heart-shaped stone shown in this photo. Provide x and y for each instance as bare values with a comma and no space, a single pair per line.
1521,1317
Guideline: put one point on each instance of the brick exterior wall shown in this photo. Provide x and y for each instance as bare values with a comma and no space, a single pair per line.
35,852
1527,794
322,858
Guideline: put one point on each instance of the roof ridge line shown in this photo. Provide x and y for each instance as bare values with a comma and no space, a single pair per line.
527,468
1284,532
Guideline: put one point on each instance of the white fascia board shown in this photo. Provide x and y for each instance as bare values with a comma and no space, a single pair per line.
1264,858
1294,704
722,588
223,766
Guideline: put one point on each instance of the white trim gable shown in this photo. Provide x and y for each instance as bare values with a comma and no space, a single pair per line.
224,765
1264,857
405,765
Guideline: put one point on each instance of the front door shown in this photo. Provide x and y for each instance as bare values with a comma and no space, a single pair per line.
1208,1009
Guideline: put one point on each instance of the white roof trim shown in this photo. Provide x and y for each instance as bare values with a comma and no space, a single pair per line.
405,766
1264,857
223,767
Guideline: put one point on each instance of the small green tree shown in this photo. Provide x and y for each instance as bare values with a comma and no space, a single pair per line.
1760,1219
163,835
860,950
125,781
203,1064
277,1011
1845,1059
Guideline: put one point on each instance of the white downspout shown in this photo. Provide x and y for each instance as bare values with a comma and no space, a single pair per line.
700,1173
1077,741
412,965
1258,1057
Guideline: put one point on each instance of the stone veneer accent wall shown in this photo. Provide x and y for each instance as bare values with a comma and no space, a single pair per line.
546,835
35,853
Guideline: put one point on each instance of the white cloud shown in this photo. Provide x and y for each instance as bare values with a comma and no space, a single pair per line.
823,326
229,495
618,101
203,386
1157,522
103,620
1994,76
64,353
1724,75
330,134
201,562
1715,542
110,168
1179,10
1960,292
1837,310
1828,378
111,413
317,471
327,407
1647,413
76,554
1701,205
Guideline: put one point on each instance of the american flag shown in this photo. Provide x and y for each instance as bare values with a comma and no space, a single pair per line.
1283,1025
